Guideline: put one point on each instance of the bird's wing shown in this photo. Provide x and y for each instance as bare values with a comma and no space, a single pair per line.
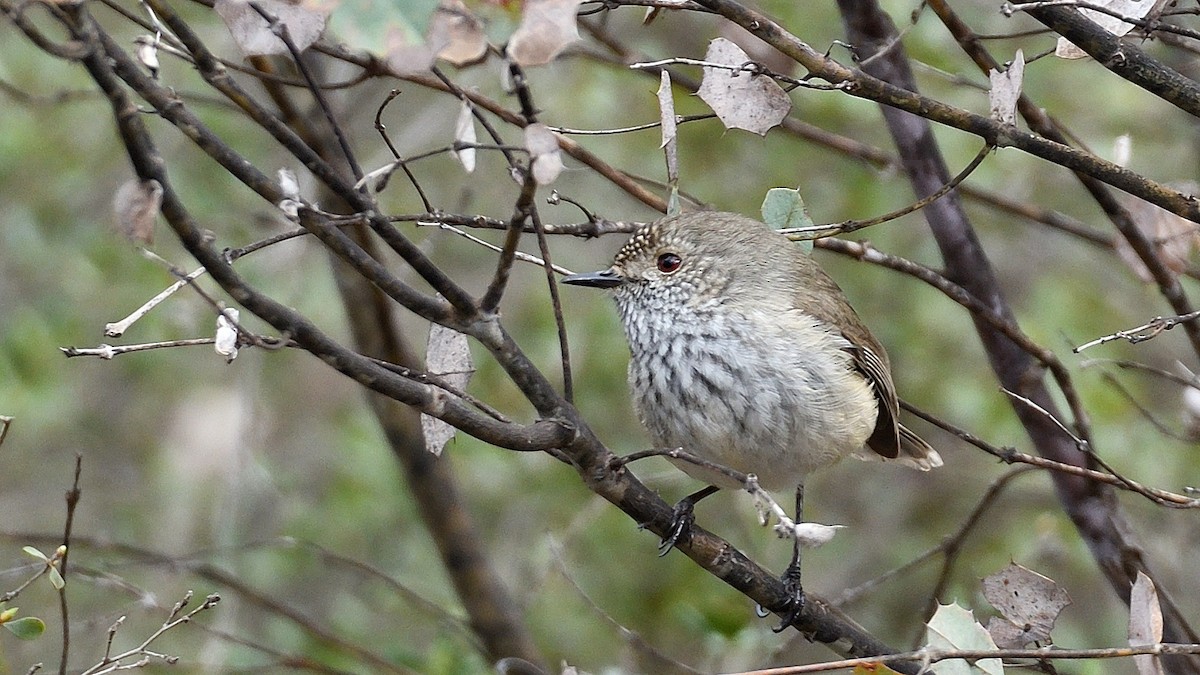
885,439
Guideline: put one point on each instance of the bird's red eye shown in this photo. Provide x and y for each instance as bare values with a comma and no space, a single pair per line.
668,263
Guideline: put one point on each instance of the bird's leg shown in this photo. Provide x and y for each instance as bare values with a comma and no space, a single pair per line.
682,519
791,576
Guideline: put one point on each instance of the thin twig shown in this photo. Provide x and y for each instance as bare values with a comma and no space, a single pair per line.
950,544
820,231
519,255
108,352
752,68
72,497
1144,411
1146,331
379,126
118,328
555,302
931,655
110,664
280,30
1010,455
1080,443
495,290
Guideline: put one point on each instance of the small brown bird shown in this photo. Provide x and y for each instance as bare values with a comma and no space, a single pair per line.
746,353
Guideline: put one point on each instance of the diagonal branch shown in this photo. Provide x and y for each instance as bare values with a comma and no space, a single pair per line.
1123,58
1039,121
867,86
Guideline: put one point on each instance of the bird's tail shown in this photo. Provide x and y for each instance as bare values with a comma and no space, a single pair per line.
914,452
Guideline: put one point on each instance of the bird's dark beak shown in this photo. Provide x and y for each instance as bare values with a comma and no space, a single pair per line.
603,279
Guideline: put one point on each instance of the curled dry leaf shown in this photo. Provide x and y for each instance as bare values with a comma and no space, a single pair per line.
448,355
1006,89
741,99
135,208
458,32
146,51
454,33
408,54
1029,603
464,132
1191,403
1175,239
254,35
544,156
1145,623
547,27
666,115
1122,150
227,335
289,184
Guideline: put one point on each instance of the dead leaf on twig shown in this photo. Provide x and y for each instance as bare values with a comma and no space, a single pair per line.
1028,602
1175,239
448,356
741,99
547,27
253,33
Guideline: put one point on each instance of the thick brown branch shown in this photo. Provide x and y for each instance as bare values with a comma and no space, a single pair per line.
1123,58
1040,122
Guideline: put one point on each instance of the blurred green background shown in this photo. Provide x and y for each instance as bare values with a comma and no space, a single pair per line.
250,466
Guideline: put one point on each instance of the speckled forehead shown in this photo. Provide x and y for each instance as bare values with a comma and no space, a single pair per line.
645,239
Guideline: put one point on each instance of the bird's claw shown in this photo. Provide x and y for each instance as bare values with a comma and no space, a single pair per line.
795,605
681,526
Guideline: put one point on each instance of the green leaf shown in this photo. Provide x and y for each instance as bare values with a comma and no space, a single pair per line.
784,208
35,553
953,627
56,579
673,206
26,628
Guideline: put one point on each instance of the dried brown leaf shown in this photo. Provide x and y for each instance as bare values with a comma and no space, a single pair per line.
1027,600
547,27
756,48
464,132
1006,90
666,114
407,54
1175,239
1145,623
740,99
544,155
253,34
135,210
458,32
1006,635
448,355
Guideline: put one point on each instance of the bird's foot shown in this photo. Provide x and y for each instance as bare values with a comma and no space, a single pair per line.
682,520
795,605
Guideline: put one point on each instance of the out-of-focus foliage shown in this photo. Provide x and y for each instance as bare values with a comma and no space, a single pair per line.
271,469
